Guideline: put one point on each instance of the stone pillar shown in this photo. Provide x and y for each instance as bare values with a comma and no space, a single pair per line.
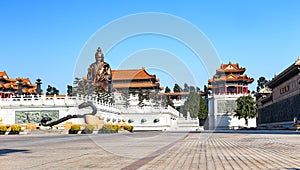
20,86
38,86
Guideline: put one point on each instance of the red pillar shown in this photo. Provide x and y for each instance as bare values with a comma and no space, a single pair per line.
247,90
236,89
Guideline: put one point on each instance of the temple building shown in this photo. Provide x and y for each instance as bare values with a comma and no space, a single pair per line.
228,84
12,87
178,98
280,107
135,79
229,79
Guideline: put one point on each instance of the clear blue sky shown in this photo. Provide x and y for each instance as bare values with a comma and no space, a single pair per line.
44,39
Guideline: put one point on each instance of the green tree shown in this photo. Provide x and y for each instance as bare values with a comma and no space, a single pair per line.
246,108
49,90
203,111
126,97
155,99
206,91
196,106
168,90
69,90
186,88
192,89
52,90
191,105
147,96
166,101
141,97
75,85
177,88
261,82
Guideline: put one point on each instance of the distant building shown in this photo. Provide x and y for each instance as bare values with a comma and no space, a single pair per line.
12,87
135,79
178,98
228,84
280,107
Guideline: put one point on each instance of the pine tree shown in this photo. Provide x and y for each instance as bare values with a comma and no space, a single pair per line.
177,88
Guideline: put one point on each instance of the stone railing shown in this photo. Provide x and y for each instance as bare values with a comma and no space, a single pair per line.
35,101
54,101
149,110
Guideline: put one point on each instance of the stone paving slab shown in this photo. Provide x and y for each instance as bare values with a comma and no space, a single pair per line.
151,151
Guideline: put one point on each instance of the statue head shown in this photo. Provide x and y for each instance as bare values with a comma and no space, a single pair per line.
99,55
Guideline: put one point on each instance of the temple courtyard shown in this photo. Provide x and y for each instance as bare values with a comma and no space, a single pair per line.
153,150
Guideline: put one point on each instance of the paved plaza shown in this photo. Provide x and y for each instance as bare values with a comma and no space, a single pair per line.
152,150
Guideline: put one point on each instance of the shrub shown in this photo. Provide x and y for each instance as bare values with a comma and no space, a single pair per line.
128,128
15,129
3,129
74,129
116,127
109,128
89,128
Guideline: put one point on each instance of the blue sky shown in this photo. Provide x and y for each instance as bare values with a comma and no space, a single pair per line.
45,39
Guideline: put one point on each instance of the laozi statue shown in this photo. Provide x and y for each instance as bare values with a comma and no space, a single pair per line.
99,73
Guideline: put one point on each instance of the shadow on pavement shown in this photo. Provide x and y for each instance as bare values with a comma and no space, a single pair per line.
4,152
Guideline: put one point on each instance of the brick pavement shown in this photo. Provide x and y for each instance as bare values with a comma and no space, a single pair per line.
165,151
231,151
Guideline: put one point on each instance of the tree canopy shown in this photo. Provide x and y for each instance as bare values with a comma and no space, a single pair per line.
126,98
52,90
69,90
186,87
168,90
166,101
261,82
177,88
196,106
246,108
141,97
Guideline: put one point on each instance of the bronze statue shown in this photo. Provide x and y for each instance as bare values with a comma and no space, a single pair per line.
99,73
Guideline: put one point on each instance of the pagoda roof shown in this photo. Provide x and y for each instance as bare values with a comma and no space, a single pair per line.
11,83
29,90
134,74
231,68
3,75
135,85
232,77
25,81
180,93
